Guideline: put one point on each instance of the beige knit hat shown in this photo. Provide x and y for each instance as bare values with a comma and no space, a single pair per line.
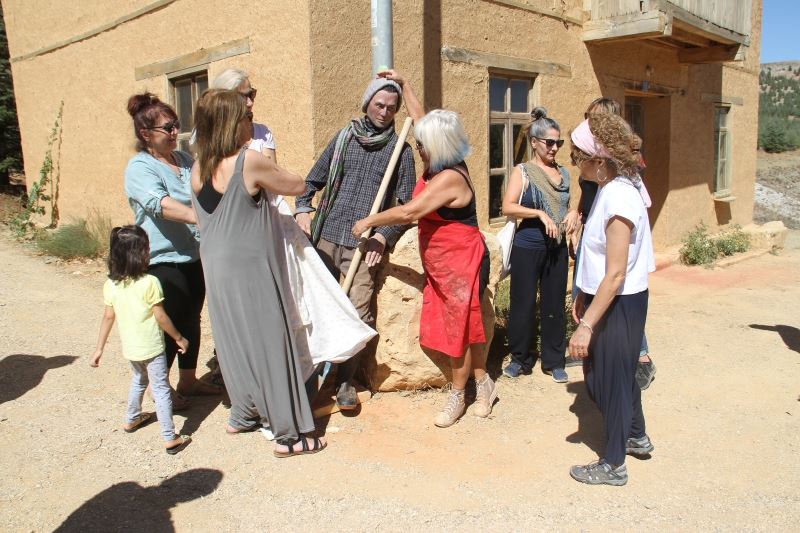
376,85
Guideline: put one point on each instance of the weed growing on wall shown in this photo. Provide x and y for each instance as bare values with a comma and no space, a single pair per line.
22,224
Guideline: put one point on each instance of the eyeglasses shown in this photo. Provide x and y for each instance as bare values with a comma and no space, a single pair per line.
169,127
550,142
251,94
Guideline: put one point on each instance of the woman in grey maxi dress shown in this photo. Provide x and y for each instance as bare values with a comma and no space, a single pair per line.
253,336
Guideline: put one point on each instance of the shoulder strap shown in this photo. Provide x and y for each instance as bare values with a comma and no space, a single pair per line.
465,176
239,166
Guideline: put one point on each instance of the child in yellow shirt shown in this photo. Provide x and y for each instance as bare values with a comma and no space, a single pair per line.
134,298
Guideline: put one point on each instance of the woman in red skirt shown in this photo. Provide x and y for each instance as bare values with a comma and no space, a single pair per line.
454,256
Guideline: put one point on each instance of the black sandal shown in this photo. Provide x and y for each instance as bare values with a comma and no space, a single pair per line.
185,440
317,446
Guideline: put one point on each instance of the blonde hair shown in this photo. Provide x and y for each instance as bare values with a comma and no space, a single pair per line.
230,79
444,139
603,105
217,117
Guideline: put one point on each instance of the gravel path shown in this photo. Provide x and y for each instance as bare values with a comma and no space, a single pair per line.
723,414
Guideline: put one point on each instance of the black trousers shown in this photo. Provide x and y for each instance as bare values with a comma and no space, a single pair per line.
184,292
610,368
543,271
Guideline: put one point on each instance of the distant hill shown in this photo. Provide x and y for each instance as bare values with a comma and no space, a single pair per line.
779,84
790,69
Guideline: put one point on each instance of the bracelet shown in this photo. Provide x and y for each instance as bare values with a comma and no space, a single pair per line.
586,325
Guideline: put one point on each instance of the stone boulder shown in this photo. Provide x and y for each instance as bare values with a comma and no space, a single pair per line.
400,363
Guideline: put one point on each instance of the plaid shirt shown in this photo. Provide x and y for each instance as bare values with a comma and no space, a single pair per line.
361,179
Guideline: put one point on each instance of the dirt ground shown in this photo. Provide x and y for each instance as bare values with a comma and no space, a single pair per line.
723,413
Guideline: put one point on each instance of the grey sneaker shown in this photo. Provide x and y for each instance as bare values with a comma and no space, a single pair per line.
485,395
600,473
645,374
452,410
639,447
559,375
346,397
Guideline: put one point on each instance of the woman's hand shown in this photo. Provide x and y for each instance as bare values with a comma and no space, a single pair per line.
360,227
550,227
579,343
572,221
391,74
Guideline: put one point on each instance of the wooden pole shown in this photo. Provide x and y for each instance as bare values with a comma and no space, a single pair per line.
376,205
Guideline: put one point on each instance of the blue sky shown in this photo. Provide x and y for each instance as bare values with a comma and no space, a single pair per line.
779,31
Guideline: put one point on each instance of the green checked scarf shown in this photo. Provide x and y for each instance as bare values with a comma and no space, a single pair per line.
368,137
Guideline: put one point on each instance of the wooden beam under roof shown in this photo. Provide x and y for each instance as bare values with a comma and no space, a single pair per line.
711,54
679,34
628,27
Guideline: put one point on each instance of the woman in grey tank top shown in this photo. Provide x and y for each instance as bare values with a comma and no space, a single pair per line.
256,347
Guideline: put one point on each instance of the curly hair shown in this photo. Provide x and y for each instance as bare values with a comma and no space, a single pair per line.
618,138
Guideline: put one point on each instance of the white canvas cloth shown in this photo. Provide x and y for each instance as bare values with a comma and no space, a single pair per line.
326,325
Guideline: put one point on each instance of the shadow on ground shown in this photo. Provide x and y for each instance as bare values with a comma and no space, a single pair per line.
20,373
590,421
130,507
790,335
199,409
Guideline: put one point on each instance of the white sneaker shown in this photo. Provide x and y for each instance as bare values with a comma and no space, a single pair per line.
485,395
453,409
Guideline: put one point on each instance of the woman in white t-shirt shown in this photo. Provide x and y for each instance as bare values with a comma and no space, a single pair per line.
237,80
611,307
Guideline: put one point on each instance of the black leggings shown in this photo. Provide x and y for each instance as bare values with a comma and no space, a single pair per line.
545,272
184,292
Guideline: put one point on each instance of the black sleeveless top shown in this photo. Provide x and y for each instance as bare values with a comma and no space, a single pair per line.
209,197
467,214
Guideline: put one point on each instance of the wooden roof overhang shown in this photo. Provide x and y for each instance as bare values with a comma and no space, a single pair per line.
665,24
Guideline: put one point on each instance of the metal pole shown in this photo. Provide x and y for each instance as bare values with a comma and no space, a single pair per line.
382,53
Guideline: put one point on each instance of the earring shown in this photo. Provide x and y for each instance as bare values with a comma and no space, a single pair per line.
597,176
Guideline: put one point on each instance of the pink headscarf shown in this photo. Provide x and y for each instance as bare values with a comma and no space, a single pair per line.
583,138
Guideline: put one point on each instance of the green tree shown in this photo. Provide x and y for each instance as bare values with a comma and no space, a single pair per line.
775,137
10,147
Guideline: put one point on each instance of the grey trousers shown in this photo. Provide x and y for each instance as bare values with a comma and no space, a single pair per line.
153,371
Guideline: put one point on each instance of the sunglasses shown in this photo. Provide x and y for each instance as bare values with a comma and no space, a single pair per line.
550,142
169,127
251,94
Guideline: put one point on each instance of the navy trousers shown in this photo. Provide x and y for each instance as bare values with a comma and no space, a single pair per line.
610,368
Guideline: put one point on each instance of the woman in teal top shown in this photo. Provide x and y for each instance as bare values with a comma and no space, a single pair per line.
157,183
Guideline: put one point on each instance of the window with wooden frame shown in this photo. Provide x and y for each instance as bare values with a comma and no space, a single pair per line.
184,93
722,152
509,112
